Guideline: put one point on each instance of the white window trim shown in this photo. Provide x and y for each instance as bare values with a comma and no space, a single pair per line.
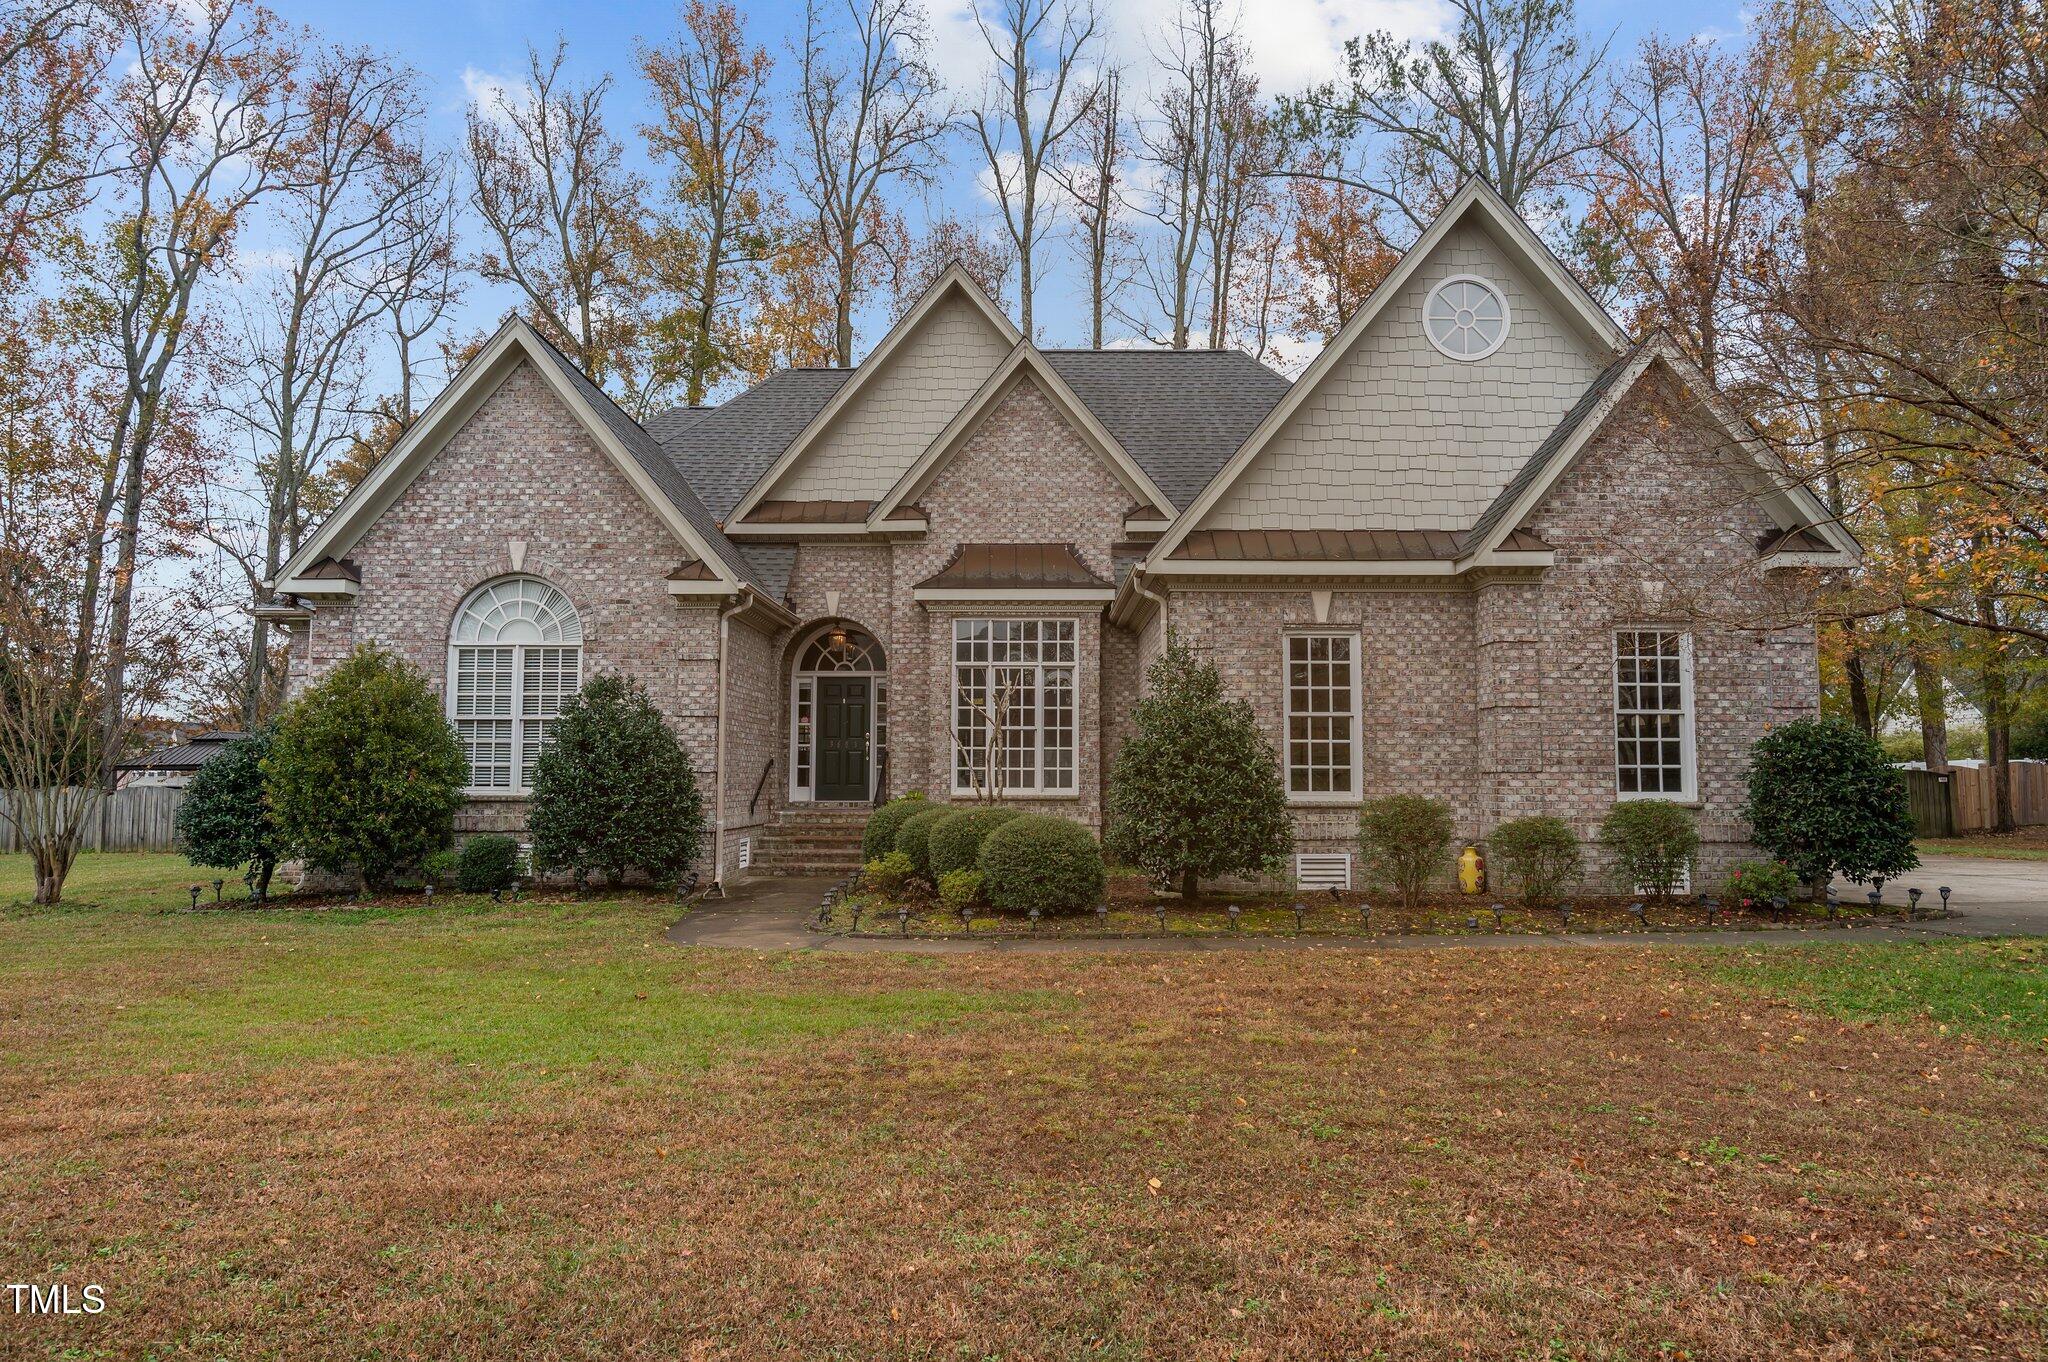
1507,316
1037,790
1356,794
515,790
1688,748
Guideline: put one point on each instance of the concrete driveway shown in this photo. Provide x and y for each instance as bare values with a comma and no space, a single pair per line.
1991,897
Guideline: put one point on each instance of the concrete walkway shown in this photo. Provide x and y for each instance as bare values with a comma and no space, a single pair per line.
1991,898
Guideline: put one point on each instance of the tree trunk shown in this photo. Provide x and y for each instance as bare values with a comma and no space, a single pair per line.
1187,886
264,870
53,857
1859,685
1929,691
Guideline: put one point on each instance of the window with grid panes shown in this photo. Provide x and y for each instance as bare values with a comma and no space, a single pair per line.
1014,708
1322,716
515,657
1653,719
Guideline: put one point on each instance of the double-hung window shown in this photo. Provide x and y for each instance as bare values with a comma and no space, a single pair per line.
1014,709
515,657
1323,751
1653,714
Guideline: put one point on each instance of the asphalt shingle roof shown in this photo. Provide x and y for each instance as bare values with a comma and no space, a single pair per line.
1553,444
724,450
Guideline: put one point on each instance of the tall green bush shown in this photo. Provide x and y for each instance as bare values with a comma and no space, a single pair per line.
224,821
913,838
1405,841
879,837
364,772
615,792
1043,862
1540,856
1653,844
1823,800
487,864
1194,792
956,839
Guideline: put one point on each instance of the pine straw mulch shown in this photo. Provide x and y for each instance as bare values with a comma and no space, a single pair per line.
1444,1154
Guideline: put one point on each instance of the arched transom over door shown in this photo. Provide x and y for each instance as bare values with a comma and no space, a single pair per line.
514,655
838,715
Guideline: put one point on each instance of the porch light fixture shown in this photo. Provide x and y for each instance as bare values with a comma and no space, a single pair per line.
838,636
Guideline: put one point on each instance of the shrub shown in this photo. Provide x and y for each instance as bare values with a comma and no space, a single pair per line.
1759,882
488,865
364,772
1039,861
442,866
1823,800
887,875
959,889
879,838
1539,856
615,789
956,839
1405,841
1653,844
913,838
223,821
1195,792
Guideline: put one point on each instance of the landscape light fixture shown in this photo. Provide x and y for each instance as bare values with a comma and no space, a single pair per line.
1944,898
1233,910
1300,910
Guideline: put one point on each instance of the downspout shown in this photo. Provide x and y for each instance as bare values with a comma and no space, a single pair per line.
1165,616
725,614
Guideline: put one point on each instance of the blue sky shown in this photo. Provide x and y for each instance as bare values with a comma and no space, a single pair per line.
457,46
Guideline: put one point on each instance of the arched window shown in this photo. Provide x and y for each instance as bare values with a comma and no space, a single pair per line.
840,649
516,654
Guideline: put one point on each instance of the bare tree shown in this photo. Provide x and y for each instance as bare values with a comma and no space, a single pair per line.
1506,97
206,128
1094,183
366,188
563,214
1247,152
53,56
866,123
1028,112
713,91
421,280
1179,139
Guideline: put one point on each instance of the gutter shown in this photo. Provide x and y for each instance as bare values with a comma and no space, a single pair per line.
737,603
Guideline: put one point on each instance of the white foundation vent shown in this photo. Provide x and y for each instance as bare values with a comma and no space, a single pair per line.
1328,870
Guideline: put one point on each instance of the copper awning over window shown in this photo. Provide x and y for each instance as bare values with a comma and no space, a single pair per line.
1013,567
1332,546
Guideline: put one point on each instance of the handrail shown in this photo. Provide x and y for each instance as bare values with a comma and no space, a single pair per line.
759,786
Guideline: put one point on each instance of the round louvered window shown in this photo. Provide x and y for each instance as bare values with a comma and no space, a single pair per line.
1465,317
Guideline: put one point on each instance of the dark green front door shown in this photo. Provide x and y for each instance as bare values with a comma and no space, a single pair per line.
843,737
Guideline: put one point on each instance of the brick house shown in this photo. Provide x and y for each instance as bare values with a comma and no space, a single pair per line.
1484,548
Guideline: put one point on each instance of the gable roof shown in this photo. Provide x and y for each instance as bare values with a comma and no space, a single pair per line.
725,450
633,452
953,279
1475,199
1791,503
1024,363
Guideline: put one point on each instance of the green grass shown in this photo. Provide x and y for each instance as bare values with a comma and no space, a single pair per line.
1997,986
522,990
1988,850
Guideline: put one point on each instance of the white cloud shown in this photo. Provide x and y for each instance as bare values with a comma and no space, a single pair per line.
494,93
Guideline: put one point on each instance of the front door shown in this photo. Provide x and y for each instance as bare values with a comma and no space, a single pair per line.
843,737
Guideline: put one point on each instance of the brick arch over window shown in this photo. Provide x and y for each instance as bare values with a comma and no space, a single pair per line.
515,654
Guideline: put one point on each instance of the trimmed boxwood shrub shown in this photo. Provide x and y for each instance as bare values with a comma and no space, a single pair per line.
887,875
913,838
879,837
1406,841
487,865
1036,860
959,889
956,839
1653,843
1823,799
1758,882
1539,856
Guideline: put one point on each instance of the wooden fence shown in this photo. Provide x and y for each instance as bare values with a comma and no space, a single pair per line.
139,818
1959,800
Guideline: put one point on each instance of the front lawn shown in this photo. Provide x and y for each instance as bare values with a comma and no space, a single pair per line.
2027,844
536,1130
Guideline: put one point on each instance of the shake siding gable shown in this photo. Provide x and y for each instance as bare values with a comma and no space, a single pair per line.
1399,436
898,411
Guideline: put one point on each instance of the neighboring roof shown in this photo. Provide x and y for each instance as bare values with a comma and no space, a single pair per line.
1180,414
724,451
649,454
1560,436
1358,546
189,755
1012,567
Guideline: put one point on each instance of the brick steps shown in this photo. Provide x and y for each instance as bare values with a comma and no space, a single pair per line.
812,839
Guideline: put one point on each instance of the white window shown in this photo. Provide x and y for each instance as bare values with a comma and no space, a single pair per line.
1014,709
1323,753
1653,723
1465,317
515,656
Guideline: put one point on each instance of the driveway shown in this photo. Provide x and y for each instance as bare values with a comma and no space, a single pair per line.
1989,898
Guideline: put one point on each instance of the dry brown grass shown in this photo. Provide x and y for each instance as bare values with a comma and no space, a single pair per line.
1554,1154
